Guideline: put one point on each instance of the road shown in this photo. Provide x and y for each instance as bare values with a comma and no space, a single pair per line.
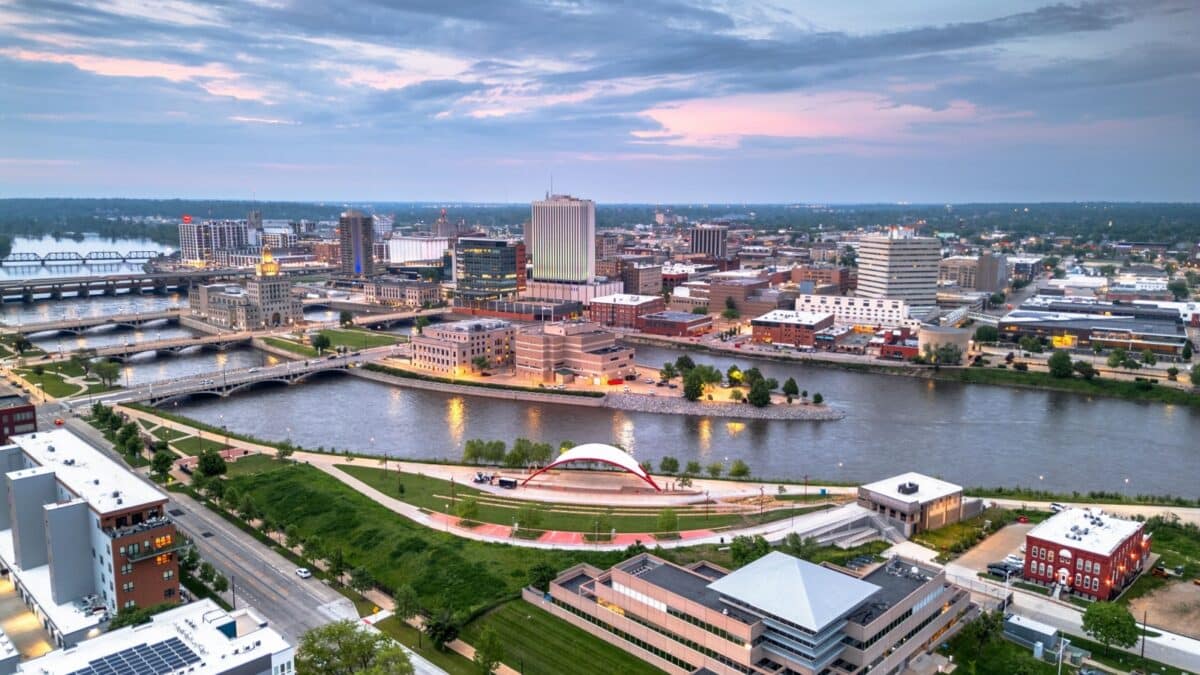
261,578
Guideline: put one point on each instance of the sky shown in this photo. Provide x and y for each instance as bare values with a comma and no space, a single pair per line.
650,101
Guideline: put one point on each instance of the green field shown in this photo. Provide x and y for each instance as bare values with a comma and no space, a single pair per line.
294,347
1000,657
538,643
1126,389
251,464
449,661
445,570
356,338
193,445
167,434
434,494
52,383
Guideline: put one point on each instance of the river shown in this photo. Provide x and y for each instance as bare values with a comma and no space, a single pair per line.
88,244
970,434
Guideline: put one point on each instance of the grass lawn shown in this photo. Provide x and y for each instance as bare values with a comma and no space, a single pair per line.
999,657
52,383
253,464
449,661
193,445
957,537
1127,389
146,425
354,339
444,570
1115,658
433,494
546,645
294,347
167,434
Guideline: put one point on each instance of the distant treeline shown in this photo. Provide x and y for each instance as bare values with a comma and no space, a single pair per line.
1084,221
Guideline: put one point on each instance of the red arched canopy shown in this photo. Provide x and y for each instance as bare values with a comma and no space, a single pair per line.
599,453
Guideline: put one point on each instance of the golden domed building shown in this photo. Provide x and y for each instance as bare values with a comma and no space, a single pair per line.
265,302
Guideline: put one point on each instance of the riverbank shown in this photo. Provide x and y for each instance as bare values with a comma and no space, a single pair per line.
1108,388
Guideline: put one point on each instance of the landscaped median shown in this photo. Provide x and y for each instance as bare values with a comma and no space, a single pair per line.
352,339
411,375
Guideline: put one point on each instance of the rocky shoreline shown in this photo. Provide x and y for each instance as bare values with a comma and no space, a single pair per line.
675,405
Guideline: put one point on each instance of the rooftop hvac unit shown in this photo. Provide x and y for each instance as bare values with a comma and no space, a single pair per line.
909,488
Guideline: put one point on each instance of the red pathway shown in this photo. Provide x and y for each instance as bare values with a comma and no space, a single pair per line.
560,537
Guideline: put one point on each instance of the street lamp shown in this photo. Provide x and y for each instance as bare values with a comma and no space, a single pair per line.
1062,645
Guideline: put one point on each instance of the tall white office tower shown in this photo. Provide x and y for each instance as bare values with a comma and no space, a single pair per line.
899,266
562,239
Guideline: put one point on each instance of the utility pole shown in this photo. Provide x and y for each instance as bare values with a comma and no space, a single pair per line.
1145,616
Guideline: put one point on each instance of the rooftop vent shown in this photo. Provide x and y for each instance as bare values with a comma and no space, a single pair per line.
116,493
909,488
49,448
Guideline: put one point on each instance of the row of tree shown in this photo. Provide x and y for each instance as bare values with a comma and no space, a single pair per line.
524,452
696,378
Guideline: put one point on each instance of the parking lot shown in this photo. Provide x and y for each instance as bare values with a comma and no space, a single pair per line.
994,548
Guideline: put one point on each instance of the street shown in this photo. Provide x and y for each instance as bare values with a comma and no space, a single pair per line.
258,576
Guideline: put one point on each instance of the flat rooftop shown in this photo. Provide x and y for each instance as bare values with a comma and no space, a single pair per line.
928,488
471,325
793,317
1088,530
12,401
198,638
795,590
1094,322
87,472
69,617
684,583
897,579
624,299
671,315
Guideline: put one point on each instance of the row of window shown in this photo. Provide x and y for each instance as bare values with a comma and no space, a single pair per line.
666,656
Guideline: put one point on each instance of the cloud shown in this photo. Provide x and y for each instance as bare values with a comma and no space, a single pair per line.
263,120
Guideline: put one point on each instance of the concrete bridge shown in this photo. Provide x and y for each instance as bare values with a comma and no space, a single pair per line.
112,284
77,325
217,341
225,383
73,258
384,320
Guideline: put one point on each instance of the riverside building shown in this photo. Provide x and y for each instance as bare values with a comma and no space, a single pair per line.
564,351
1087,552
460,347
899,266
776,615
82,537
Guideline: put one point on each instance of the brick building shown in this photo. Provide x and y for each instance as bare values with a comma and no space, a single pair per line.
17,416
788,327
675,324
623,311
843,278
1087,551
452,348
566,350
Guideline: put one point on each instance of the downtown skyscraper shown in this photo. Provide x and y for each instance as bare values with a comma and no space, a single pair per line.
356,238
561,240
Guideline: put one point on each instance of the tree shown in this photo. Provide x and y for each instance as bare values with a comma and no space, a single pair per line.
361,580
1179,288
207,572
161,463
1148,357
760,394
38,369
284,451
790,388
481,363
1085,369
420,324
107,371
668,520
693,468
1195,375
668,372
987,333
1117,358
668,465
715,469
344,648
247,507
441,628
220,584
736,395
1187,351
408,603
1111,624
746,550
22,344
984,630
1060,364
346,318
699,309
211,463
321,342
739,469
489,651
818,399
804,548
693,385
529,516
467,509
733,374
1030,344
541,574
684,363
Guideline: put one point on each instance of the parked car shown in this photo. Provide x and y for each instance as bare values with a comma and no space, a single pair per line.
1056,507
303,573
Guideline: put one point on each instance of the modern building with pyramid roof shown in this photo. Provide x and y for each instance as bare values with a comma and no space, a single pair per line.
778,615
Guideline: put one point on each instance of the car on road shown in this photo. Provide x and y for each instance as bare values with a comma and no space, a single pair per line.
1056,507
1015,560
303,573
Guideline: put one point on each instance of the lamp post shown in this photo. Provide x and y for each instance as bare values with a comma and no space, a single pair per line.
1062,645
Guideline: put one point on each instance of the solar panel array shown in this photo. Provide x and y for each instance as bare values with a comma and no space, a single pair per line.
160,657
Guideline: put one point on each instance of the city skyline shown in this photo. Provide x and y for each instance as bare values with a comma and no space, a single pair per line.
745,102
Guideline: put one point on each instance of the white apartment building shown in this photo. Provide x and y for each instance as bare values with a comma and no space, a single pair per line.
854,311
198,639
561,239
899,266
199,240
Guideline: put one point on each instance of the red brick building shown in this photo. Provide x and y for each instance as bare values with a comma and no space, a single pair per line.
843,278
623,311
675,324
1088,552
17,416
787,327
